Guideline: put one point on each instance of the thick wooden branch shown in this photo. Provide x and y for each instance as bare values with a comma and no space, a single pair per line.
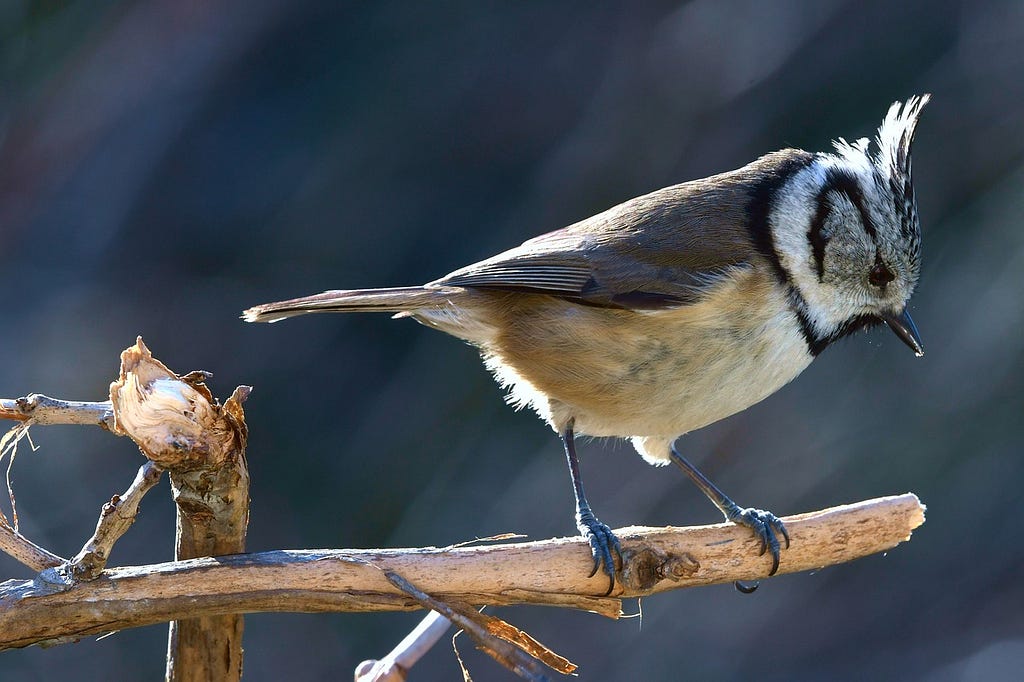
180,427
551,572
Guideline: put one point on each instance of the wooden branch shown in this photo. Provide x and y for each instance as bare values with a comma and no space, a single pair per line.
116,517
26,552
395,666
12,542
551,572
509,646
38,409
45,410
179,426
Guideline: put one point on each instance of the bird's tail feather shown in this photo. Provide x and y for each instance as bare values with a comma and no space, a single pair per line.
396,300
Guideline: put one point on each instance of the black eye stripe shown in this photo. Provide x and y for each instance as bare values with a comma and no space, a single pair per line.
816,237
761,204
843,183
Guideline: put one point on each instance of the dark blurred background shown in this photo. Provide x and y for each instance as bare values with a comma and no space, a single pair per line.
165,164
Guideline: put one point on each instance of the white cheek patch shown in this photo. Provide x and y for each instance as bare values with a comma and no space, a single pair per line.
791,213
827,307
789,222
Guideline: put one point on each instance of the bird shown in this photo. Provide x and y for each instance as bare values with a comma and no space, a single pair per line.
681,307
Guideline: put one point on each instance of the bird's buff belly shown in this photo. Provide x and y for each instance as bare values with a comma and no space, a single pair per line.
676,372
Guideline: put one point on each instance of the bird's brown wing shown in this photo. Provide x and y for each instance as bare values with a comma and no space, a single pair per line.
661,250
581,278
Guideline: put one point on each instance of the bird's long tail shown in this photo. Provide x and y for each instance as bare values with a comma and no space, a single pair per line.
396,300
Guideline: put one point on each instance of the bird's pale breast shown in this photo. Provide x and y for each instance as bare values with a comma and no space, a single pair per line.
648,373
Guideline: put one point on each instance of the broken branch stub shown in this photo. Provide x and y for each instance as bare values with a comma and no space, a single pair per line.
175,421
180,427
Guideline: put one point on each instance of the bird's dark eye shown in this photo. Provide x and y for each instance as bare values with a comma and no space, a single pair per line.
880,275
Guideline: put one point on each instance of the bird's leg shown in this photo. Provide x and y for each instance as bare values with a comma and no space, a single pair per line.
602,539
764,524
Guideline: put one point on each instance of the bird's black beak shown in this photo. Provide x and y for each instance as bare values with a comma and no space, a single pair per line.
904,327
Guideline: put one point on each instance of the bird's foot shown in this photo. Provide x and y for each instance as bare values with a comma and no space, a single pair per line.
766,526
602,545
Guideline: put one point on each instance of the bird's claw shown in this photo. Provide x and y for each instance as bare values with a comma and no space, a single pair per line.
602,545
767,527
744,588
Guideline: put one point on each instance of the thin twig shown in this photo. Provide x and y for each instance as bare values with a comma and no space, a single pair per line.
26,552
12,542
116,518
549,572
485,630
9,449
45,410
396,665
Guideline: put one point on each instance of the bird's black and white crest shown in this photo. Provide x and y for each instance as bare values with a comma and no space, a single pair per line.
894,139
843,215
892,163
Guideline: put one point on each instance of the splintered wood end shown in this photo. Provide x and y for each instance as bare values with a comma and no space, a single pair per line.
174,420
